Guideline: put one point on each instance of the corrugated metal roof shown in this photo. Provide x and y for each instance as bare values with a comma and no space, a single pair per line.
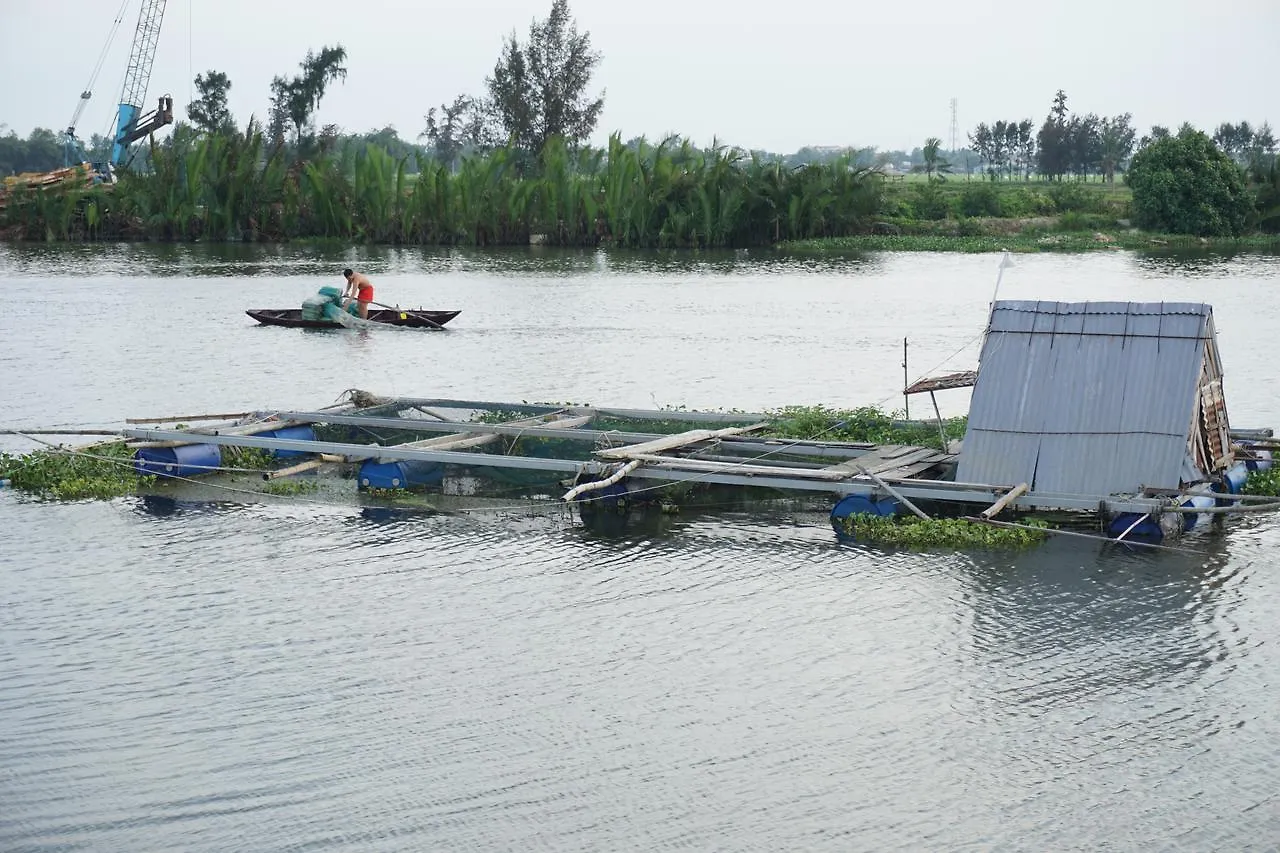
1085,398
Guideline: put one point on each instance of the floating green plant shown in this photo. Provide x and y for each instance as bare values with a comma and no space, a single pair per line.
911,532
867,424
1263,482
290,487
389,494
104,472
254,458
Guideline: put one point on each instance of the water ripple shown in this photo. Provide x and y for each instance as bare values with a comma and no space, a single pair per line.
190,674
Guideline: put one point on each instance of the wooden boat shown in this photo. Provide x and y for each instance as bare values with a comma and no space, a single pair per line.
412,318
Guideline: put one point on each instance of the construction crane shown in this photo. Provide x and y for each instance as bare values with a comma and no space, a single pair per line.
131,124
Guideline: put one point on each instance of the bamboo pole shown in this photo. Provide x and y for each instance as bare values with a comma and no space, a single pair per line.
1228,496
199,432
596,485
1225,510
1008,498
942,430
59,432
303,467
179,419
906,383
894,492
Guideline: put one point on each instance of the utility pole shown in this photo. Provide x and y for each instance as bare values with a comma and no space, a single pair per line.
955,127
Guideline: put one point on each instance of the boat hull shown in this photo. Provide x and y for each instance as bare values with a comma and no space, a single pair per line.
411,318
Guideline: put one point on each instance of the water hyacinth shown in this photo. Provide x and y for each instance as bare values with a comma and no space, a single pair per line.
911,532
240,187
105,472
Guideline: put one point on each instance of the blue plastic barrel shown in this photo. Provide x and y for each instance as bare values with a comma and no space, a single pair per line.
860,505
403,474
189,460
1234,477
863,505
306,432
1147,530
1200,502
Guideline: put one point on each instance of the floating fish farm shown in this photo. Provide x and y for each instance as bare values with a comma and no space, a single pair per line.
1111,411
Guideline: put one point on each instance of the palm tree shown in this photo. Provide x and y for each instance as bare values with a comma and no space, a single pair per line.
933,161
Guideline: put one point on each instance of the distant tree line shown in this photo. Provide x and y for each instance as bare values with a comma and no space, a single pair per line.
538,98
1074,145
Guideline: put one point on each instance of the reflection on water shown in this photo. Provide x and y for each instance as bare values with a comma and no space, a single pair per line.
185,672
1203,264
163,260
1126,620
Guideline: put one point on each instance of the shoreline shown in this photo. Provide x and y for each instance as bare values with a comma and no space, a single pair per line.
1063,242
1032,242
973,235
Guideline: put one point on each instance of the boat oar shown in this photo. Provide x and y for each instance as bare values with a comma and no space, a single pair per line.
408,313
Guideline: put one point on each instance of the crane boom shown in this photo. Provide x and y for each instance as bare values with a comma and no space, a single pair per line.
130,125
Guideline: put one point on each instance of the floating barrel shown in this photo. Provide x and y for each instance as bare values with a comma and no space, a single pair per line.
1199,502
295,433
1233,479
1155,529
403,474
1146,530
851,505
187,460
605,497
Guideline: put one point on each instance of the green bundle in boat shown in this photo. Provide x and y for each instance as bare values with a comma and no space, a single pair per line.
313,307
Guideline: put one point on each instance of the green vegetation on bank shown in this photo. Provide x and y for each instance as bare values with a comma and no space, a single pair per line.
224,187
512,167
221,187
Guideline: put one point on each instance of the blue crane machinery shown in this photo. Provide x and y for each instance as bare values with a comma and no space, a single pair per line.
131,123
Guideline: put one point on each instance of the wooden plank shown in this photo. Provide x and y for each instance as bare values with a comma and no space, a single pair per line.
672,442
458,441
877,463
963,379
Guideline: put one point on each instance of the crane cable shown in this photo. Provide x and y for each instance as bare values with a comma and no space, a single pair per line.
97,69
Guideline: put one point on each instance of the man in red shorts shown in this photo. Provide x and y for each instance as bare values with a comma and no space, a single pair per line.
361,289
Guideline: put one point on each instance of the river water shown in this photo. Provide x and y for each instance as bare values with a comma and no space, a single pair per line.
283,675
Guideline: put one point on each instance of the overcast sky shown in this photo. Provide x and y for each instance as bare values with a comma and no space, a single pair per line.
773,75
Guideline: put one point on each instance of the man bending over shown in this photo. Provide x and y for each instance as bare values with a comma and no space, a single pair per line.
359,288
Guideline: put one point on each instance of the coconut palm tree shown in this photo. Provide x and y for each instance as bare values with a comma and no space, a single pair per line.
933,160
